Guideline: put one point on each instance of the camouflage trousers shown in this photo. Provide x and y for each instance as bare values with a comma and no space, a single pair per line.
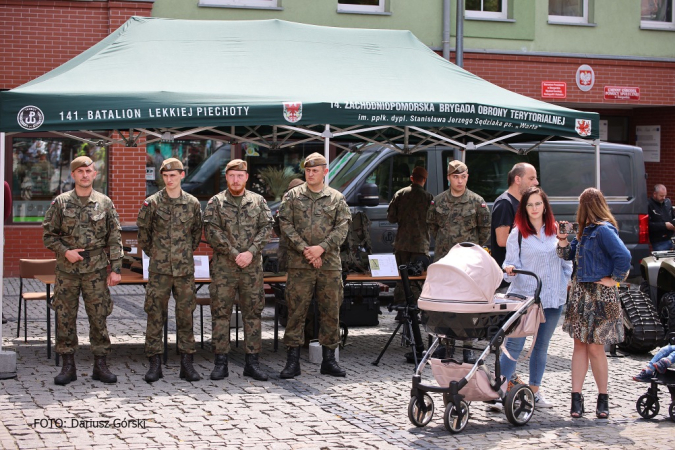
97,304
326,287
223,289
399,292
157,293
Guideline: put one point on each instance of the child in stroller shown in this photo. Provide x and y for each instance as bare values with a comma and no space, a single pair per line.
657,373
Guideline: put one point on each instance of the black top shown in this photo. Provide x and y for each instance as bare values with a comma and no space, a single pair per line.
503,214
659,214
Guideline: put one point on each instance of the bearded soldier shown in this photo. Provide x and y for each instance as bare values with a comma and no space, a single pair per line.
79,225
314,219
169,231
237,224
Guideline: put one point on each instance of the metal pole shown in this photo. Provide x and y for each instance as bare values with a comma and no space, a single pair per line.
446,30
459,35
597,163
2,226
326,150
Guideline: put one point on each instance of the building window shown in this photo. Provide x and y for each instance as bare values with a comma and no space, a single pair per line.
568,11
486,9
41,171
361,6
657,14
241,3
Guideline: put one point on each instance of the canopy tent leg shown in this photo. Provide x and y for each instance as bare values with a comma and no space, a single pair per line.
326,149
597,163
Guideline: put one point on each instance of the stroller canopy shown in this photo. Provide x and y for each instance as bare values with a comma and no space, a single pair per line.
467,273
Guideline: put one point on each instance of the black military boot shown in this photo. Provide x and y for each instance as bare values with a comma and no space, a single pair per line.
469,356
101,371
292,368
68,371
252,368
329,366
155,370
220,369
187,371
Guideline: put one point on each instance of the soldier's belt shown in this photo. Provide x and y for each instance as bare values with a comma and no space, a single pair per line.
90,253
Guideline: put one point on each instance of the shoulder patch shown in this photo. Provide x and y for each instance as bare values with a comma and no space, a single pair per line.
433,203
145,203
53,201
483,205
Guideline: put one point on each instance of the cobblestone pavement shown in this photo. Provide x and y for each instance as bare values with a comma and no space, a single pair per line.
365,410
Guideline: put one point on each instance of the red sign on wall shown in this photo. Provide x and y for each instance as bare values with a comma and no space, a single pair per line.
553,89
622,93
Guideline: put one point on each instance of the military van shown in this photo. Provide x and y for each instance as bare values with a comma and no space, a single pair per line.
369,176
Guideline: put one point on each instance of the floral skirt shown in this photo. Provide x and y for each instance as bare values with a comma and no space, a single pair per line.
593,314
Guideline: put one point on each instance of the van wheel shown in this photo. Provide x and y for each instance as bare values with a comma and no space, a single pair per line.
667,311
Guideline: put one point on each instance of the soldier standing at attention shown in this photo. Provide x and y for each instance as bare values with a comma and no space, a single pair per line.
237,224
458,215
409,209
78,226
315,219
169,231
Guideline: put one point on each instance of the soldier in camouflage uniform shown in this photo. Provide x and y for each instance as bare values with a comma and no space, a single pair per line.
409,209
79,225
315,219
458,215
237,224
169,231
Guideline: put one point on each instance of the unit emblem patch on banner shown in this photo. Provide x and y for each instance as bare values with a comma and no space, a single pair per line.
30,117
293,111
583,127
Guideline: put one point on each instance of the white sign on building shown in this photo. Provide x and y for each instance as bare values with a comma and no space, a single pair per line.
649,138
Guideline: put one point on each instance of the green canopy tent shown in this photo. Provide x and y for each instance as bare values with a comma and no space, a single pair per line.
265,81
277,83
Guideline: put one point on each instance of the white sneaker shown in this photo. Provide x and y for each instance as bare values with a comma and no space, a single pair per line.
541,401
497,406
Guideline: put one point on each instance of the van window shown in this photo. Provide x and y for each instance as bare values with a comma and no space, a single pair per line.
558,169
348,166
488,170
393,174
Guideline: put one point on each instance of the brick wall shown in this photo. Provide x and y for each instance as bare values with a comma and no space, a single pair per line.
662,172
524,74
37,36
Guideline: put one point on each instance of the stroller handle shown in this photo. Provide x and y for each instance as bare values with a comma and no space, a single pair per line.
537,291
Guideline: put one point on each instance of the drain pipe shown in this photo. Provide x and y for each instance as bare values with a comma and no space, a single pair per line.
459,35
446,30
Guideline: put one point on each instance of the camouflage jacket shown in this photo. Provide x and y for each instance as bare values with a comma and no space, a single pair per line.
232,229
458,219
169,231
69,225
409,209
307,222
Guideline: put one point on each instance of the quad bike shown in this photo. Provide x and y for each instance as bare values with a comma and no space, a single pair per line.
658,273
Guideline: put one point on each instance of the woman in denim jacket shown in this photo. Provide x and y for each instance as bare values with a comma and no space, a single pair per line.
593,312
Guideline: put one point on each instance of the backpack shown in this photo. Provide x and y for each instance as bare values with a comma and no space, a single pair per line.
355,249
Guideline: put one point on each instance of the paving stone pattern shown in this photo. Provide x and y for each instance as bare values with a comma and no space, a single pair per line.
365,410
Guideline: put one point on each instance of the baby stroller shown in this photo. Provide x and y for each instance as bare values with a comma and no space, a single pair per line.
648,404
458,301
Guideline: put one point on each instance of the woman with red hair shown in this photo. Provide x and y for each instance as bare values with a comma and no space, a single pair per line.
531,246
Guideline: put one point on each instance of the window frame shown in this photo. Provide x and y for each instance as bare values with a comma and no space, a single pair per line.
658,25
347,8
488,15
256,4
572,19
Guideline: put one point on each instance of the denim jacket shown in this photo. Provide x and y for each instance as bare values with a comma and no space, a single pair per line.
601,254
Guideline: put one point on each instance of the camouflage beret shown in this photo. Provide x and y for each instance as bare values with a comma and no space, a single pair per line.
236,164
294,182
171,164
456,166
79,162
420,171
315,159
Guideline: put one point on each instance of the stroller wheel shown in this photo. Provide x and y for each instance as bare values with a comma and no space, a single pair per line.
420,414
519,405
648,406
671,411
455,421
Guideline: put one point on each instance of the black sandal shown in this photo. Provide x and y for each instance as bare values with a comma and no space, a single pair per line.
577,409
602,410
